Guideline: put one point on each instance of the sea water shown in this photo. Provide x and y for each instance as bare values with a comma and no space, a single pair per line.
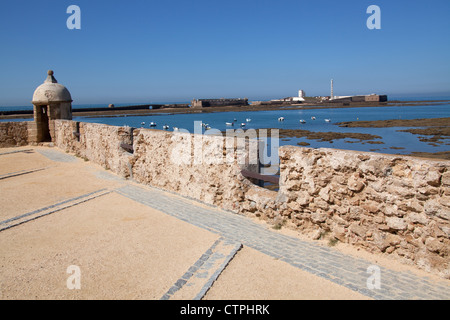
392,139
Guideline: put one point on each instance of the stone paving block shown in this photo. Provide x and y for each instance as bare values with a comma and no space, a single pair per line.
194,284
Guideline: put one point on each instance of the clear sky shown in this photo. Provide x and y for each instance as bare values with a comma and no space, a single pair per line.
152,51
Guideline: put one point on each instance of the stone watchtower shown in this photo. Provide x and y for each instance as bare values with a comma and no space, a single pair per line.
51,101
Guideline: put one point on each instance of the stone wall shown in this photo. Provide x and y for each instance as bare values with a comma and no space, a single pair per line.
170,161
13,134
98,143
165,160
384,203
389,204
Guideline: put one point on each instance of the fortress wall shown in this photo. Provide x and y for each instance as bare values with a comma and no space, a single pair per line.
203,167
196,166
98,143
385,203
390,204
13,134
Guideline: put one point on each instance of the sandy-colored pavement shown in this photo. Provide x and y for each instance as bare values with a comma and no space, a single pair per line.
71,230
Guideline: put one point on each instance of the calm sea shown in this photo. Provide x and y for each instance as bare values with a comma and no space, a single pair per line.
392,139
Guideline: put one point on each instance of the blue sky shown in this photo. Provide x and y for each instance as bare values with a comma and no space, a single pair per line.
150,51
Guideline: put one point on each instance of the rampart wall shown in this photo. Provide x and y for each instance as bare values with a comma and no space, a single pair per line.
13,134
395,205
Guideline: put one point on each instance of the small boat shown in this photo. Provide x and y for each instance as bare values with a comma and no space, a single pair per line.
243,124
281,119
302,121
142,123
207,127
152,124
229,123
248,119
313,118
235,120
165,127
327,120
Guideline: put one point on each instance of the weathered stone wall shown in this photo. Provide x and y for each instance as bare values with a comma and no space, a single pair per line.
193,166
170,161
13,134
95,142
384,203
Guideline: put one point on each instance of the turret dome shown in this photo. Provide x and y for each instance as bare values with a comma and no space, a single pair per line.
51,91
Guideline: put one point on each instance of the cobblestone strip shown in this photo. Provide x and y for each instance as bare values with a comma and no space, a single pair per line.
20,173
57,156
13,222
188,275
17,151
230,248
325,262
199,278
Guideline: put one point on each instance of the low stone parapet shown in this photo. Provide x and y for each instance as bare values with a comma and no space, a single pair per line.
13,134
385,203
395,205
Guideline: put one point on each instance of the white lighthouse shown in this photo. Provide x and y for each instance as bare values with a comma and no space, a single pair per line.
301,94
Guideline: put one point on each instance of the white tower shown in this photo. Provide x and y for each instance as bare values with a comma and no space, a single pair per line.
332,94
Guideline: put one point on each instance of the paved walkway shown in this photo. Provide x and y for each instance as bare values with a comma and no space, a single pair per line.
234,231
327,263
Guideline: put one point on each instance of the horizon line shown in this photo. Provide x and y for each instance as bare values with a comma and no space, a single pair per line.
179,100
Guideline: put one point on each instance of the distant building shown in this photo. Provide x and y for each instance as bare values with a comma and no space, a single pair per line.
366,98
204,103
376,98
300,98
347,99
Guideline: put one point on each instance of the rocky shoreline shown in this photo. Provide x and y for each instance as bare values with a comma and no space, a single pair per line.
435,131
326,136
